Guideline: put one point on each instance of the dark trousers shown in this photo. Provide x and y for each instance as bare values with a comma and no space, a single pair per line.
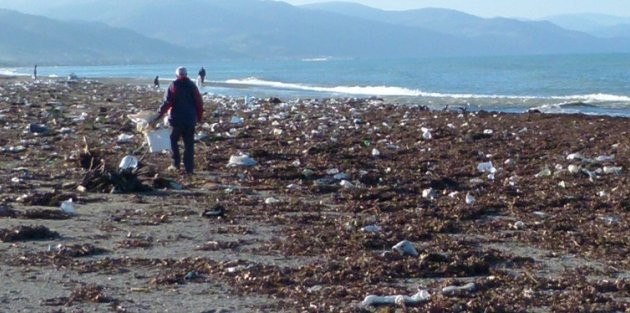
188,134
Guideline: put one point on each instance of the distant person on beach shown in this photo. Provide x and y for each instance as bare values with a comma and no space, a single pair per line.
202,75
156,82
185,106
35,72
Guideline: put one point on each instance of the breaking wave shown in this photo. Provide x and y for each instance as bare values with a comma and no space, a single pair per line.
572,100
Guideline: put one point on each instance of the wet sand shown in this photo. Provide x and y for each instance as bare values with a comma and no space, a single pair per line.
310,228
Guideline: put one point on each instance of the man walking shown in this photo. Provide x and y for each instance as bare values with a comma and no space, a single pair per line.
202,75
183,100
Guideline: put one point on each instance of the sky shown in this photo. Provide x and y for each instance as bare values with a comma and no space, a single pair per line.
505,8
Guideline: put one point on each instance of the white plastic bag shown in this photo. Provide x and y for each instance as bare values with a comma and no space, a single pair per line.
159,139
67,207
421,296
129,162
142,119
124,138
405,247
241,160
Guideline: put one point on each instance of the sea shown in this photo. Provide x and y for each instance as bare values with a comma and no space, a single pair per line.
595,84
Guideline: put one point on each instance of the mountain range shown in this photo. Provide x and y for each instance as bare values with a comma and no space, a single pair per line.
595,24
153,31
26,39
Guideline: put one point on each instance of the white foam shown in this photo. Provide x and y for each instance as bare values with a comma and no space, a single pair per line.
10,72
354,90
401,91
597,97
323,59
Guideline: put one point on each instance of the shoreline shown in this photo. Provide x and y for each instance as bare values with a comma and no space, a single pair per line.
523,206
596,104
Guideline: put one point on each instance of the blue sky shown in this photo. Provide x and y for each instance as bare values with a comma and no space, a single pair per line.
506,8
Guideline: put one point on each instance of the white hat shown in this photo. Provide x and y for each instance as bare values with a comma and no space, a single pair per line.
181,72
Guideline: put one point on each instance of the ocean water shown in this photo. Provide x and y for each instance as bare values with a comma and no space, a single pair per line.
590,84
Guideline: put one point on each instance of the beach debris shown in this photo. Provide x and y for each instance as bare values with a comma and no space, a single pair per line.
128,163
470,200
27,233
67,207
544,172
42,214
161,182
7,212
271,200
237,121
486,167
575,156
158,139
405,247
372,229
311,223
573,169
219,245
591,175
307,173
604,158
616,170
277,132
540,214
562,184
609,220
37,128
191,275
429,194
376,153
215,211
346,184
106,180
124,138
79,250
91,293
456,290
242,160
519,225
426,133
143,119
419,297
13,149
599,159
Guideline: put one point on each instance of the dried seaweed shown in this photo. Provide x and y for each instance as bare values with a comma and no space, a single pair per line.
27,233
82,294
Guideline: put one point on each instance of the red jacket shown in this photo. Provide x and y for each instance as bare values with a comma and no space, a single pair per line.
184,101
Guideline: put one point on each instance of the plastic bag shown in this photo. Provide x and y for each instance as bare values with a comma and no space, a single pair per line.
159,139
142,119
67,207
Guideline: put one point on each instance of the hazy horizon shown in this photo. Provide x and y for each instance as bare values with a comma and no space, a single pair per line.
532,9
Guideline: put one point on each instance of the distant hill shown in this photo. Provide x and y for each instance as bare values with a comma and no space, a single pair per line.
504,34
28,39
274,29
595,24
263,29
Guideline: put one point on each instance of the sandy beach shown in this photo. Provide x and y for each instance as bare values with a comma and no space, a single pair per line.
498,212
